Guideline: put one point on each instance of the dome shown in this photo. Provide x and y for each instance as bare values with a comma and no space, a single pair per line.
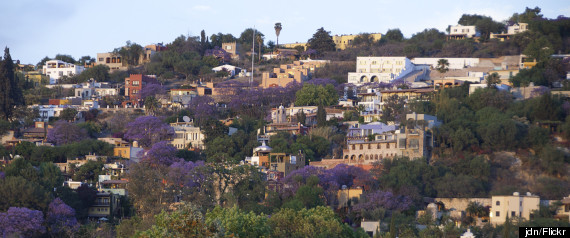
262,148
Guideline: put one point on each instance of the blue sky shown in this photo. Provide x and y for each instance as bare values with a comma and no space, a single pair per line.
33,29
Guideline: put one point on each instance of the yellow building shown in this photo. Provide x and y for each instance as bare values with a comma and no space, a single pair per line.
344,41
293,45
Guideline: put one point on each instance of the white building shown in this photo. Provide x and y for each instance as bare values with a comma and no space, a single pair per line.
454,63
56,69
185,133
47,111
520,206
94,89
233,70
380,69
517,28
459,32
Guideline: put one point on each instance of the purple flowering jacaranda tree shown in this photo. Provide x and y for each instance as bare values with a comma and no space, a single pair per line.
148,130
65,132
61,218
21,222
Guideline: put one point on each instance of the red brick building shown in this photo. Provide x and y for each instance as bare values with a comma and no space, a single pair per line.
133,86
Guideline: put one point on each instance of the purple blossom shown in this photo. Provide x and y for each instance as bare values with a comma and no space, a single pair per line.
322,82
65,132
2,175
539,91
203,108
386,200
219,53
161,153
151,89
61,217
187,173
148,130
21,222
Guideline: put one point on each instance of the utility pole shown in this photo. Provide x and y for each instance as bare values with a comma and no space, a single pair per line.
252,57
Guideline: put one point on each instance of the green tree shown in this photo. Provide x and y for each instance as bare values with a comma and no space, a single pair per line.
89,171
321,42
394,109
239,223
302,118
10,93
17,191
151,105
315,222
442,66
363,39
68,114
539,49
312,95
493,79
186,221
65,58
98,72
130,53
394,35
321,116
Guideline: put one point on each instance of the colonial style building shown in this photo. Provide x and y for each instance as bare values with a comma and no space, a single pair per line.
380,69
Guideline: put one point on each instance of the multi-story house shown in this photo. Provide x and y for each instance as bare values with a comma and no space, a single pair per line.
114,61
106,205
380,69
511,30
286,163
460,32
93,89
515,206
133,86
413,143
186,136
56,69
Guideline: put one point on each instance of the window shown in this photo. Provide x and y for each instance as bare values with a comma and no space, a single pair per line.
521,203
369,146
136,83
513,214
498,203
100,59
353,147
497,214
378,146
387,145
361,147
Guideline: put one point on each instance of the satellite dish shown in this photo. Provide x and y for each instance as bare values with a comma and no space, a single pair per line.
186,118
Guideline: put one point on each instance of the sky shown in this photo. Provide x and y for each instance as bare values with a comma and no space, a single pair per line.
33,29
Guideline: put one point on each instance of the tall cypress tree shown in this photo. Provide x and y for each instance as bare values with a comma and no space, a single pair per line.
321,116
10,92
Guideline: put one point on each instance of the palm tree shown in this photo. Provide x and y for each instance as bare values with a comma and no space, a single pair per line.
493,79
277,31
442,66
259,39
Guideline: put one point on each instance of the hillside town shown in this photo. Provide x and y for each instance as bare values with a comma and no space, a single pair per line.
463,133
